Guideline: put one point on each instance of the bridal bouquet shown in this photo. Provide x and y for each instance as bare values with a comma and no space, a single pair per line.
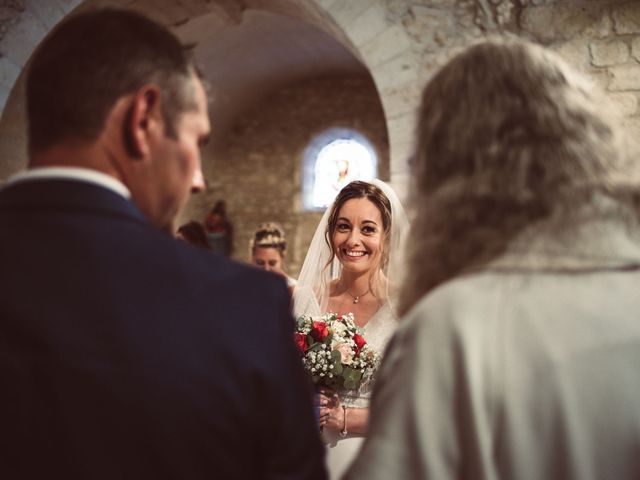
334,352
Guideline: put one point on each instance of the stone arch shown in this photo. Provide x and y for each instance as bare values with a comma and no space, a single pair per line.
386,49
401,43
360,25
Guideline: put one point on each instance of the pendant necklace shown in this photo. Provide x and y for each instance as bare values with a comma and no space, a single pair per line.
356,298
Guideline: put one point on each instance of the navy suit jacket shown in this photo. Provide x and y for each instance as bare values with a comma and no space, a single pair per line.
125,354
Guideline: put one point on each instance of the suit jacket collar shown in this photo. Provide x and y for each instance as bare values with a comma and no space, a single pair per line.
71,173
69,195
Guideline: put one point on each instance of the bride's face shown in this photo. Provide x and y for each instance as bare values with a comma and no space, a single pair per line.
357,239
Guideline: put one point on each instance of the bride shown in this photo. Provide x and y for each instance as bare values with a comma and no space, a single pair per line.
353,266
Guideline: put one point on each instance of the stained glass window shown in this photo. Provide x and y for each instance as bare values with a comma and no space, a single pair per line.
333,159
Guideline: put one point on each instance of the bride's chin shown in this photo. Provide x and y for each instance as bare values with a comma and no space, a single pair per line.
351,266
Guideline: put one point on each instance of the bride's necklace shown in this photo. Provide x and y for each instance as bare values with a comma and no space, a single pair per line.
356,298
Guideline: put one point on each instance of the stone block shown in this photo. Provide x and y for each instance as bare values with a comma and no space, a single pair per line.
20,41
4,96
632,126
48,13
401,153
564,22
390,43
367,25
431,28
626,18
635,49
433,62
9,73
625,103
608,52
601,78
574,52
10,12
14,154
504,13
400,182
401,129
625,77
398,72
326,3
344,13
401,100
67,5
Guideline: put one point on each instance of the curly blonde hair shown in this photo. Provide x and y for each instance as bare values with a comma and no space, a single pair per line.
269,235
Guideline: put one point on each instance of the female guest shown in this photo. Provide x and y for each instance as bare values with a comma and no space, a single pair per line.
518,355
268,248
353,266
219,229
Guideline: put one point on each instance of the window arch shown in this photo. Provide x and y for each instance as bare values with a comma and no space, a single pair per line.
334,158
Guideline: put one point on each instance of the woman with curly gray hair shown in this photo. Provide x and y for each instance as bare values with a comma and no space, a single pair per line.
517,355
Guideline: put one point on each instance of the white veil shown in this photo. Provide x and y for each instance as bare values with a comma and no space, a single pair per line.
311,295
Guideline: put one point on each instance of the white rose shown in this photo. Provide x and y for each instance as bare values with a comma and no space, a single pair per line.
338,327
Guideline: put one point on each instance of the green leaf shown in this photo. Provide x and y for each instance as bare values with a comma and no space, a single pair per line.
348,372
349,384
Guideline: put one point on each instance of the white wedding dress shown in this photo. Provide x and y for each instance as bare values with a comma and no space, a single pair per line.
341,451
311,297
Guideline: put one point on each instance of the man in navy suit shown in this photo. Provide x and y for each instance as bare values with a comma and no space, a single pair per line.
125,354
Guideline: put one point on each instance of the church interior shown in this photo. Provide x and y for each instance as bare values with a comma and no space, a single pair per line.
288,77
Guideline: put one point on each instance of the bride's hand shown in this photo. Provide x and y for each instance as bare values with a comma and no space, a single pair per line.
330,410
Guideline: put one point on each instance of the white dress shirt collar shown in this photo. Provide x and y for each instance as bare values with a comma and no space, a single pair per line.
72,173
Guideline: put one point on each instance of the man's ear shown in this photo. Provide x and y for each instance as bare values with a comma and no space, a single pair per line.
142,121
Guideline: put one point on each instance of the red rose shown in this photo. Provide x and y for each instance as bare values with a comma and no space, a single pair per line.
319,331
359,341
301,342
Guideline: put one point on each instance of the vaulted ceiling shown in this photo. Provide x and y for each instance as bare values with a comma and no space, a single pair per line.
247,49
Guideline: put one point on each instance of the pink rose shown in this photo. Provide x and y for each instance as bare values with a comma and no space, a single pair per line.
346,355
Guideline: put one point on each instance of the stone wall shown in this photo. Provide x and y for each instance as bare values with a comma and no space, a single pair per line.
601,39
404,42
257,168
401,42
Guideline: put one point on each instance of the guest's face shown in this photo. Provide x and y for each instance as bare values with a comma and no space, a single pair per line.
358,236
268,258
